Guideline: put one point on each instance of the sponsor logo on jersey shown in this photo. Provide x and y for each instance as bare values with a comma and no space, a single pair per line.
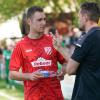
48,50
41,62
28,50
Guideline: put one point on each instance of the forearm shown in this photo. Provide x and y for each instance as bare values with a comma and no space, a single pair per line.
65,53
18,75
72,67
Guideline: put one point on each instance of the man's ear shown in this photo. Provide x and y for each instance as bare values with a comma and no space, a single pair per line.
28,21
86,17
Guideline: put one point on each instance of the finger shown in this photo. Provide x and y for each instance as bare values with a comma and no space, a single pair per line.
33,78
60,77
60,73
38,75
37,71
57,34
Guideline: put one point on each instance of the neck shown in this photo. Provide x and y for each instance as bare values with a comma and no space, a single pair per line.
32,35
89,26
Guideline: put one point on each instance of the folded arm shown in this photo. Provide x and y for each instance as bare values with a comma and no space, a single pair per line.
16,75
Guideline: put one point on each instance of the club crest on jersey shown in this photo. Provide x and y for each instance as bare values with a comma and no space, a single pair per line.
48,50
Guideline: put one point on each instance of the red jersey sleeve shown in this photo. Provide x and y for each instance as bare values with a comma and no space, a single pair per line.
16,58
60,58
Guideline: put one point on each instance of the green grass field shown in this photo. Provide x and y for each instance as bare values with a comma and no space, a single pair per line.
9,94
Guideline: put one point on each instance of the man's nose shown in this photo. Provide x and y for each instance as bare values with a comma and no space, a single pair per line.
43,22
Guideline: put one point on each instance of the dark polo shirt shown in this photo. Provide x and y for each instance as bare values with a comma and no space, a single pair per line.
87,53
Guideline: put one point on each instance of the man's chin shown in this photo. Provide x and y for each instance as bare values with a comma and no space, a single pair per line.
82,29
41,32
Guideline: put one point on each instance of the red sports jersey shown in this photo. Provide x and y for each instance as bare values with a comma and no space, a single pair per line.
34,54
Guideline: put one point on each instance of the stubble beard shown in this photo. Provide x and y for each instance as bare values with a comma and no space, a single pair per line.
82,27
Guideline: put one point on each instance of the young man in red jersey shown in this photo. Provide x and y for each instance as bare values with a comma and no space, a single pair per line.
33,53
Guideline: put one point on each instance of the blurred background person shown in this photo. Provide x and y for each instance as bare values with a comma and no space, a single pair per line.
7,55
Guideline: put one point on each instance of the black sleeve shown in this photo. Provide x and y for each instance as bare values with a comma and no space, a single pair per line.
81,52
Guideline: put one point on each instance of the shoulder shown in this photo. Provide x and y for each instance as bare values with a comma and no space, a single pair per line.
48,36
22,41
95,33
94,36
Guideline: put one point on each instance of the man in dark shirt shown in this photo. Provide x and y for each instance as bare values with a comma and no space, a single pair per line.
85,61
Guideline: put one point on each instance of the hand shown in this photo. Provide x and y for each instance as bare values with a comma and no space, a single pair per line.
57,40
60,74
57,43
35,75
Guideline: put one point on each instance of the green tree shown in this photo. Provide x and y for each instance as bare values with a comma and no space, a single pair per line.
10,8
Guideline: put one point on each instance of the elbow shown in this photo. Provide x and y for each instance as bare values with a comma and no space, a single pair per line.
70,72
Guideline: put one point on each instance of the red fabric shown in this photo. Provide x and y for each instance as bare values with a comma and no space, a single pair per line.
28,54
